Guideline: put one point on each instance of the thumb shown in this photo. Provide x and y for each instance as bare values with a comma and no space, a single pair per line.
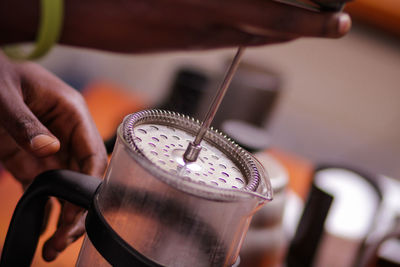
44,145
24,127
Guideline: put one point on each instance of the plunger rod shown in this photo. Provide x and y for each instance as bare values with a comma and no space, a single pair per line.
193,150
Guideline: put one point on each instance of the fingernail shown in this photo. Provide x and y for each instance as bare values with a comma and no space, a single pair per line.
344,24
44,145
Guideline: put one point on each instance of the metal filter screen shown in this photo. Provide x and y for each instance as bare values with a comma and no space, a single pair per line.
162,137
165,146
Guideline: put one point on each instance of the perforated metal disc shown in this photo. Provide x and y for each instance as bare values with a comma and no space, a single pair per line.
162,137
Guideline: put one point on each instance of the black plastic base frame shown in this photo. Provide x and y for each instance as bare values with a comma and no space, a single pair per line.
110,245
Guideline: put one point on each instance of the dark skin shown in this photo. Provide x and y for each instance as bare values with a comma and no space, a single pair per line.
165,25
45,124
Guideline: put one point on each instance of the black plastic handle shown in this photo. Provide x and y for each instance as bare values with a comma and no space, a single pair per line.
25,226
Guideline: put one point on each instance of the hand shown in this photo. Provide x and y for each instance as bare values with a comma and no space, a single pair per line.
158,25
155,25
44,124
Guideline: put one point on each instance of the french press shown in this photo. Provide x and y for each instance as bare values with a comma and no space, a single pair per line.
152,208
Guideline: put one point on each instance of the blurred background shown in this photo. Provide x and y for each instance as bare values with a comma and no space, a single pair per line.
338,99
309,101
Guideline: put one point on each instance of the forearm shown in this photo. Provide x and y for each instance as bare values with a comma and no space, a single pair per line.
135,26
105,25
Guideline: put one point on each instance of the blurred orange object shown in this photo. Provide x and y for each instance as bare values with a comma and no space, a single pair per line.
109,104
385,14
300,171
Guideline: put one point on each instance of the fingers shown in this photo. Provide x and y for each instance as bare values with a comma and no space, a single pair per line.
18,120
71,227
87,146
280,19
66,114
205,37
306,23
36,98
68,118
157,23
220,24
83,147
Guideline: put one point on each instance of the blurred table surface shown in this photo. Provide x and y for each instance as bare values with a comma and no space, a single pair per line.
108,104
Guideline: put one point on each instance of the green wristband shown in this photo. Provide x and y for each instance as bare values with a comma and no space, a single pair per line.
51,19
